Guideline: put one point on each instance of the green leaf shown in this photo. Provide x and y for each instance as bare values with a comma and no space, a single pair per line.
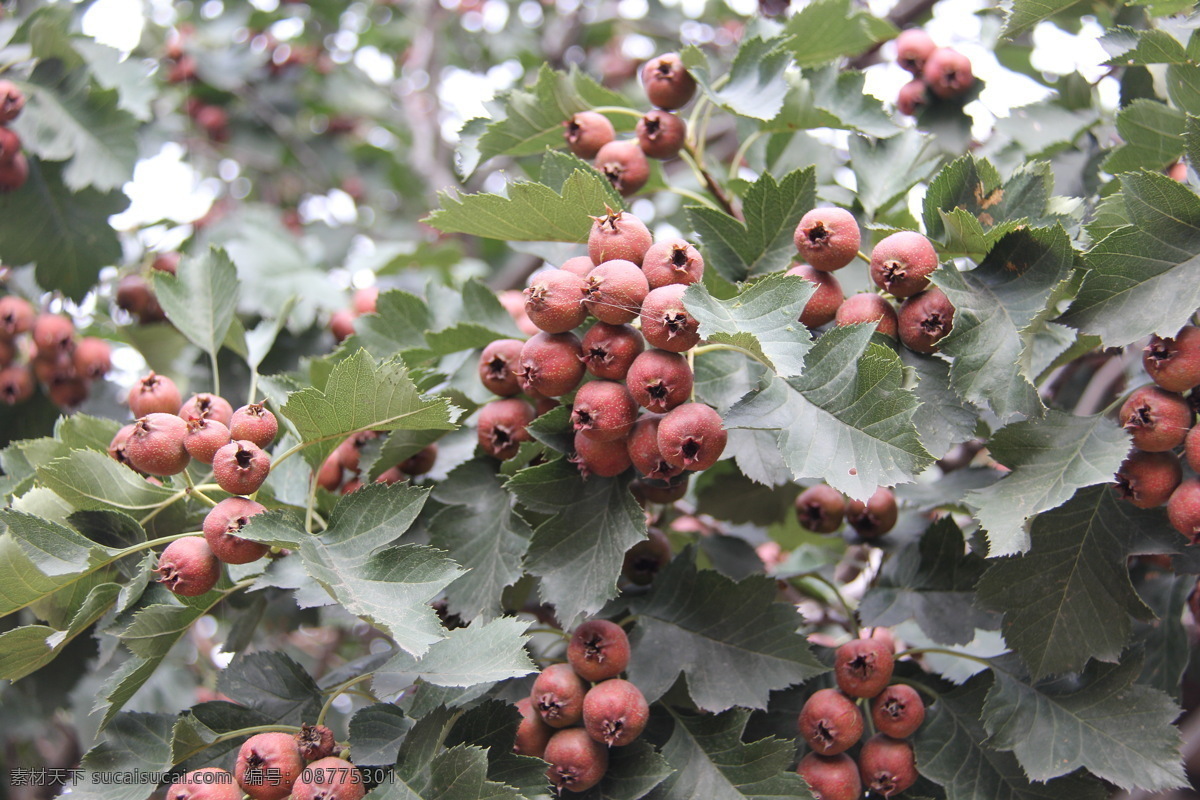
762,244
824,30
1130,47
55,550
715,628
90,480
998,307
846,420
274,684
133,743
931,581
65,233
942,419
1049,458
201,298
1104,723
67,119
483,652
481,530
1153,136
389,586
885,169
841,101
754,85
1070,598
974,185
712,763
762,320
376,733
482,320
398,324
531,212
951,750
1024,14
1144,278
578,551
26,649
360,396
1165,637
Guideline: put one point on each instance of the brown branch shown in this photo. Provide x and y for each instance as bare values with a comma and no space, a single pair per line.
711,184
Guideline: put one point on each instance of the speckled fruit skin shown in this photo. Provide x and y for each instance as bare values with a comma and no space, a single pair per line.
659,381
901,263
887,765
602,459
863,667
1191,448
553,301
116,448
924,320
551,364
241,466
646,558
267,766
831,777
830,722
221,525
586,132
502,427
598,650
496,364
188,567
913,48
672,261
912,98
667,82
53,333
875,517
1174,364
16,315
609,350
828,238
666,323
254,423
624,165
209,783
661,134
947,73
557,695
329,778
92,358
204,438
1147,479
603,411
820,508
156,445
315,742
1183,509
532,733
868,307
207,406
615,291
822,307
644,452
579,265
1156,419
615,712
692,436
618,235
154,394
898,711
577,761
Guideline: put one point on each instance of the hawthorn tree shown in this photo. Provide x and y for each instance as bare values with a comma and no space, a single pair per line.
856,441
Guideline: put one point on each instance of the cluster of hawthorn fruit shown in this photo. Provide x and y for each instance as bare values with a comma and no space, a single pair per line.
1159,419
44,347
133,292
659,133
273,766
831,723
167,434
341,472
14,168
626,276
939,73
579,709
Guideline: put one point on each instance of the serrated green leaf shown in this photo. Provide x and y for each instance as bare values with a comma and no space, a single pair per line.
1049,459
1144,278
942,419
483,320
716,629
360,396
200,299
1131,47
578,551
1164,638
133,743
762,320
1024,14
885,169
484,652
55,550
273,684
376,733
26,649
975,186
481,530
82,432
1153,136
398,324
762,244
753,85
1104,723
65,233
965,235
90,480
1070,597
354,559
846,420
824,30
951,751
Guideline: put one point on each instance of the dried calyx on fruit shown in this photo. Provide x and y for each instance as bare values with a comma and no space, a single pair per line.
188,567
863,667
502,427
554,300
598,650
618,235
831,777
624,165
667,82
497,364
830,722
692,436
222,525
558,695
1157,420
820,508
551,364
672,261
609,350
875,517
577,761
828,238
887,765
659,381
154,394
615,712
241,466
924,320
315,742
1147,479
666,323
902,262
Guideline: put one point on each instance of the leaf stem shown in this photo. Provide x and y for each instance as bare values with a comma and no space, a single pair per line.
629,112
216,373
240,732
740,155
689,155
864,256
158,509
689,194
336,692
554,631
150,544
916,651
851,616
708,348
